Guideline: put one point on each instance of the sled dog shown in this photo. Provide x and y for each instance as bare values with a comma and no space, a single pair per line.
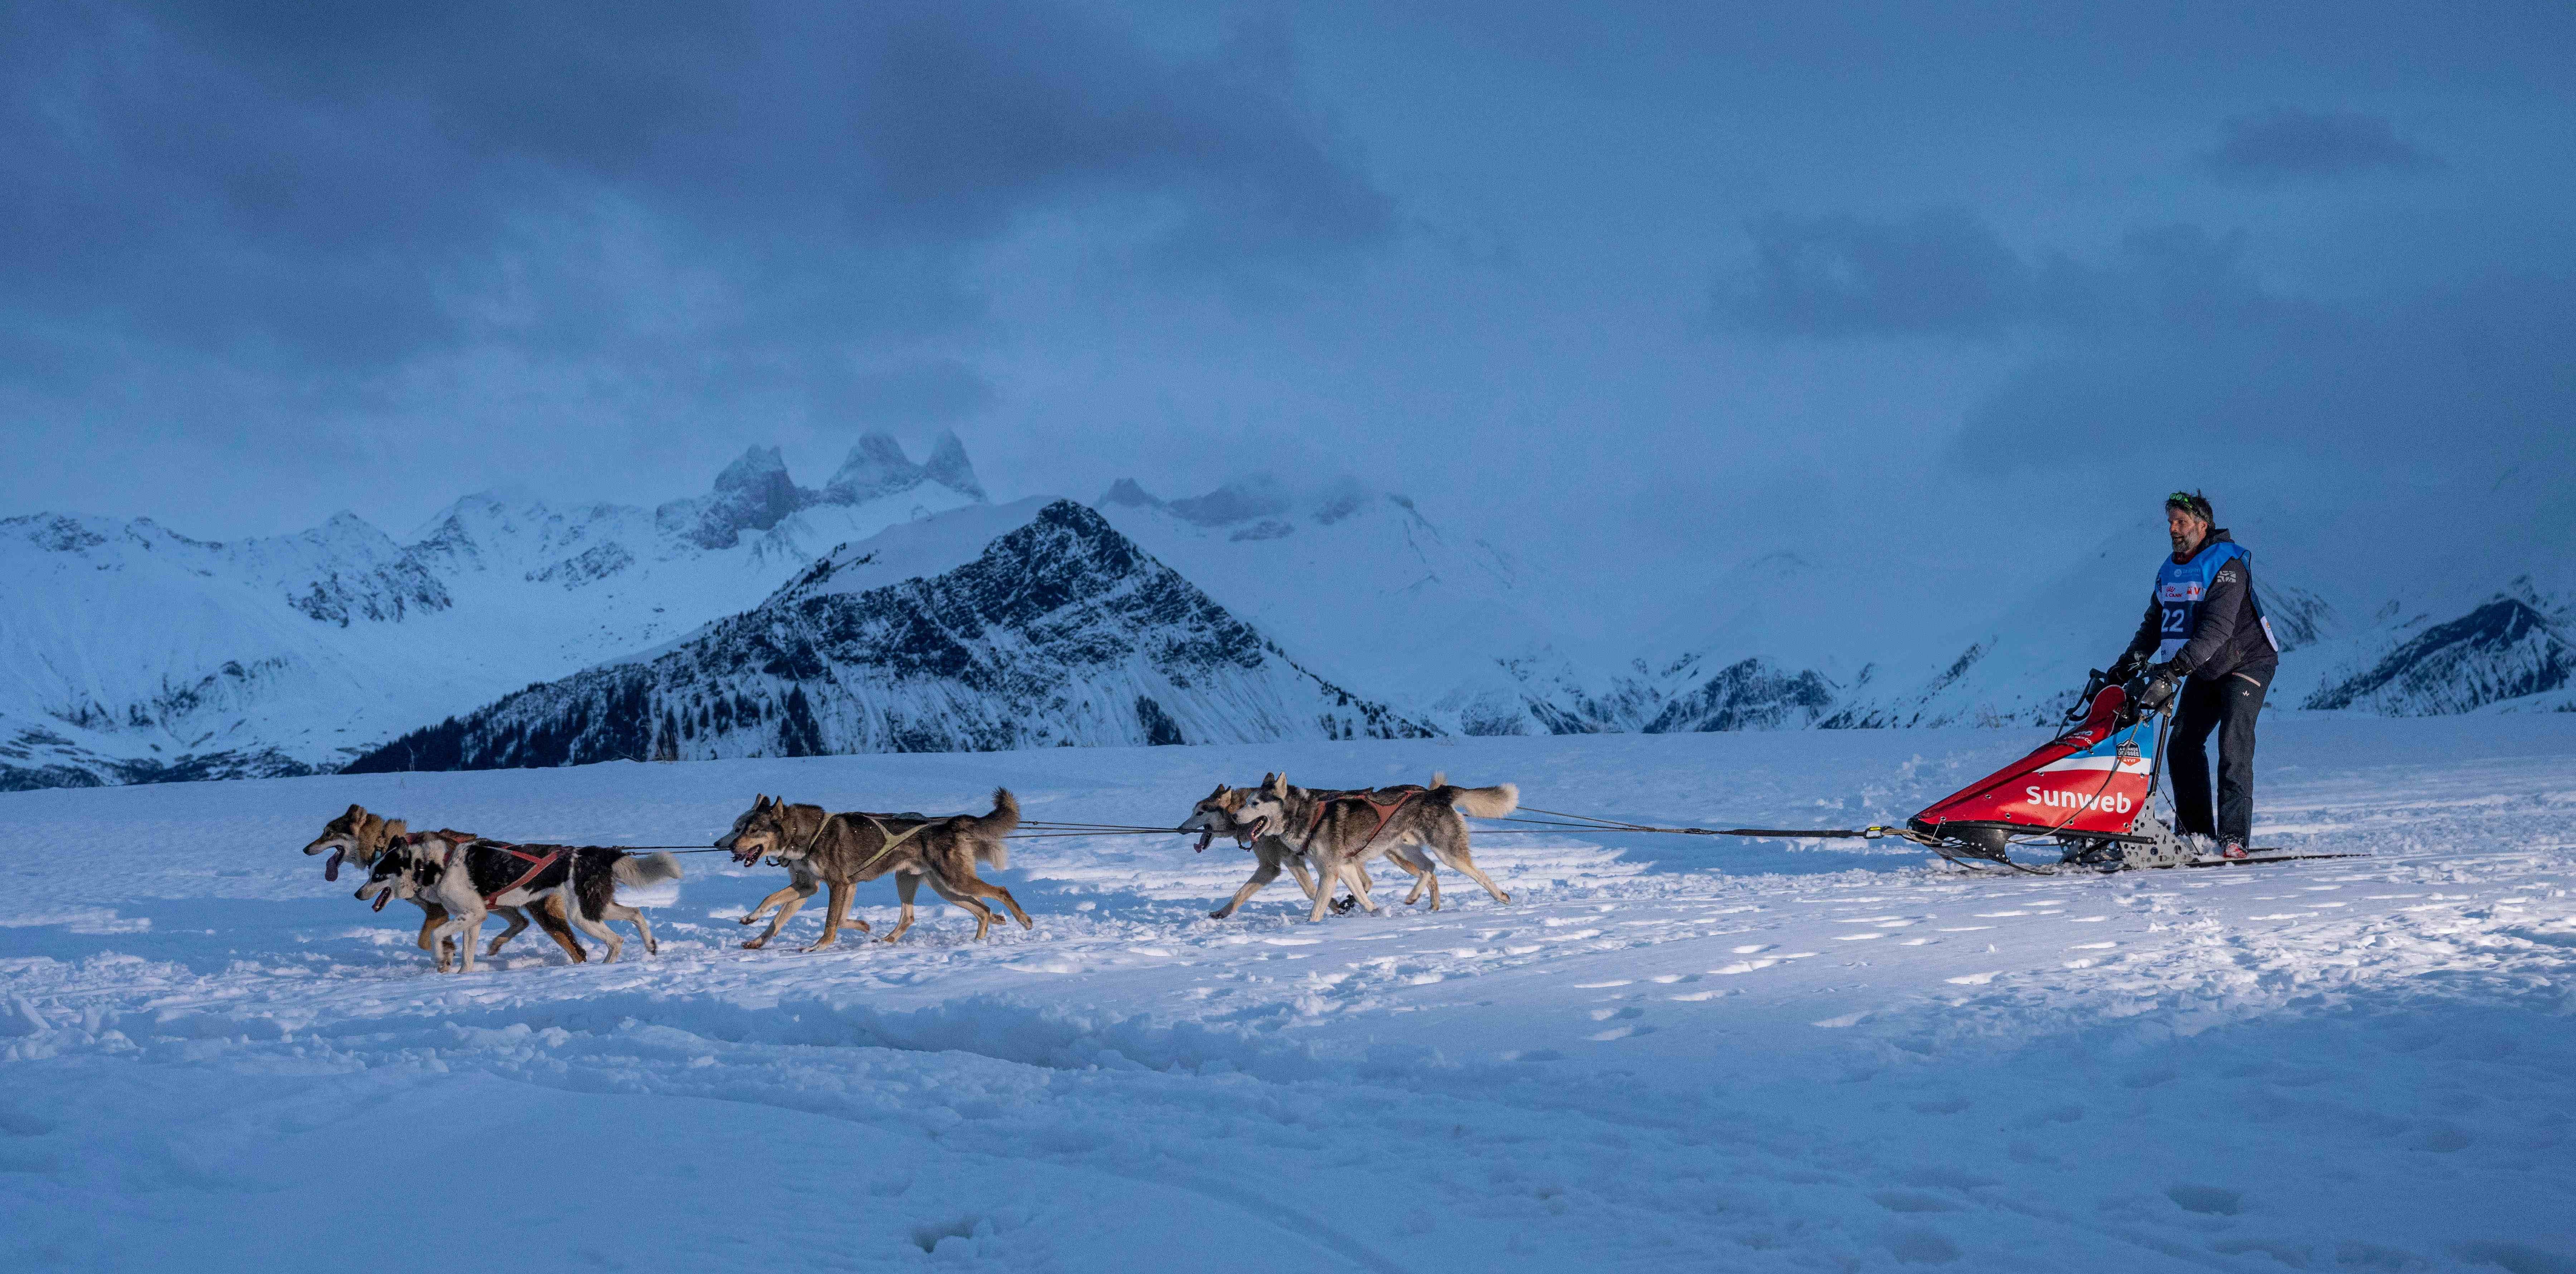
468,877
1216,814
841,850
1337,831
360,838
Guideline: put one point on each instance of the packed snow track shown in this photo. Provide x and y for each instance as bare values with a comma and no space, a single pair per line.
1665,1053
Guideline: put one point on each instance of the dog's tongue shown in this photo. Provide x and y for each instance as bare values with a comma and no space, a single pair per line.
1204,838
331,869
381,899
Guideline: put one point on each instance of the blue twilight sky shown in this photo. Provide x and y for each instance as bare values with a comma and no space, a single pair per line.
1665,281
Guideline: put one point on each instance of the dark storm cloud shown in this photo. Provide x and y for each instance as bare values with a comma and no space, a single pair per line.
1945,272
2167,347
2427,384
2286,144
337,188
1941,271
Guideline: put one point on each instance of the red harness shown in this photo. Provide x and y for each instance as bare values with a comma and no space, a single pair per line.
536,862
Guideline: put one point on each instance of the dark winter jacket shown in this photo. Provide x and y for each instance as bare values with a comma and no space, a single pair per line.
2229,635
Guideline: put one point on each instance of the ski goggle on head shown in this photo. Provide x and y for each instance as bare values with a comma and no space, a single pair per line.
2193,503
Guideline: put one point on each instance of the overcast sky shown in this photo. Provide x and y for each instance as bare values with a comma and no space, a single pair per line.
1679,279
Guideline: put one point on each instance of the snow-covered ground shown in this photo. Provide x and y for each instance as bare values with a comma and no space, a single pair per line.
1664,1053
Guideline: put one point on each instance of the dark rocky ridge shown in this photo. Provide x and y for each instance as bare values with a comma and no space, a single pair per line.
1061,632
2505,649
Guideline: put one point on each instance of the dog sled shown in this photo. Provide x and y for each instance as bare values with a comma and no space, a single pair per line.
2090,794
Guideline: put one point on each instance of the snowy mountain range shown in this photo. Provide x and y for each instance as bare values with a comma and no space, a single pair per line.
1058,631
129,653
877,612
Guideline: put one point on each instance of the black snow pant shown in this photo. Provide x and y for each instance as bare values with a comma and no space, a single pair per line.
2227,705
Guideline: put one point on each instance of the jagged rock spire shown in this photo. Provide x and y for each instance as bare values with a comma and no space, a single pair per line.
756,491
950,468
876,466
753,493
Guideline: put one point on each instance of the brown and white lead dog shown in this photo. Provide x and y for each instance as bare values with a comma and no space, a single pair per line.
360,838
1337,831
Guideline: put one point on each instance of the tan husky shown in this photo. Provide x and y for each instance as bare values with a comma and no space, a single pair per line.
360,837
840,850
1337,832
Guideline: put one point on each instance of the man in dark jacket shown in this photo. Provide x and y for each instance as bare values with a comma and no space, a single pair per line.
2205,631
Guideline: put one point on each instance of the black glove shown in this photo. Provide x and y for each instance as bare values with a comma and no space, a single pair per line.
2162,681
2123,668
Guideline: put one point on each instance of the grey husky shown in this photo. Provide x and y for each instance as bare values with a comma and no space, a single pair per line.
1338,831
1341,830
1216,815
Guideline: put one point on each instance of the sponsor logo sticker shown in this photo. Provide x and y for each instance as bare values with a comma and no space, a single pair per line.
2052,798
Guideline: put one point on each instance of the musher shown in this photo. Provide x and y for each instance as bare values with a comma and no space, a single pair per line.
2205,635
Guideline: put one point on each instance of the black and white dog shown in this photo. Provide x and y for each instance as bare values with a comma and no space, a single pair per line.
468,878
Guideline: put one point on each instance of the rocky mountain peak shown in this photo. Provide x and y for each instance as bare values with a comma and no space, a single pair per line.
759,474
876,466
753,493
1060,631
950,468
1127,493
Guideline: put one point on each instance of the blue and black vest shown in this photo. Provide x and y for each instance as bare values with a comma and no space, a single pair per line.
2181,587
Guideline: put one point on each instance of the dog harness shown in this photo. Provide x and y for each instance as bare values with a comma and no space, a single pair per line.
1385,810
464,840
537,863
891,840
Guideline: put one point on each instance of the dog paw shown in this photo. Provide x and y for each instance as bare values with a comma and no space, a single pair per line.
754,944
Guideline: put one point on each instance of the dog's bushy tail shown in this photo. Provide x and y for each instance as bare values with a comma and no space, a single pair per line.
635,872
990,849
1477,802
